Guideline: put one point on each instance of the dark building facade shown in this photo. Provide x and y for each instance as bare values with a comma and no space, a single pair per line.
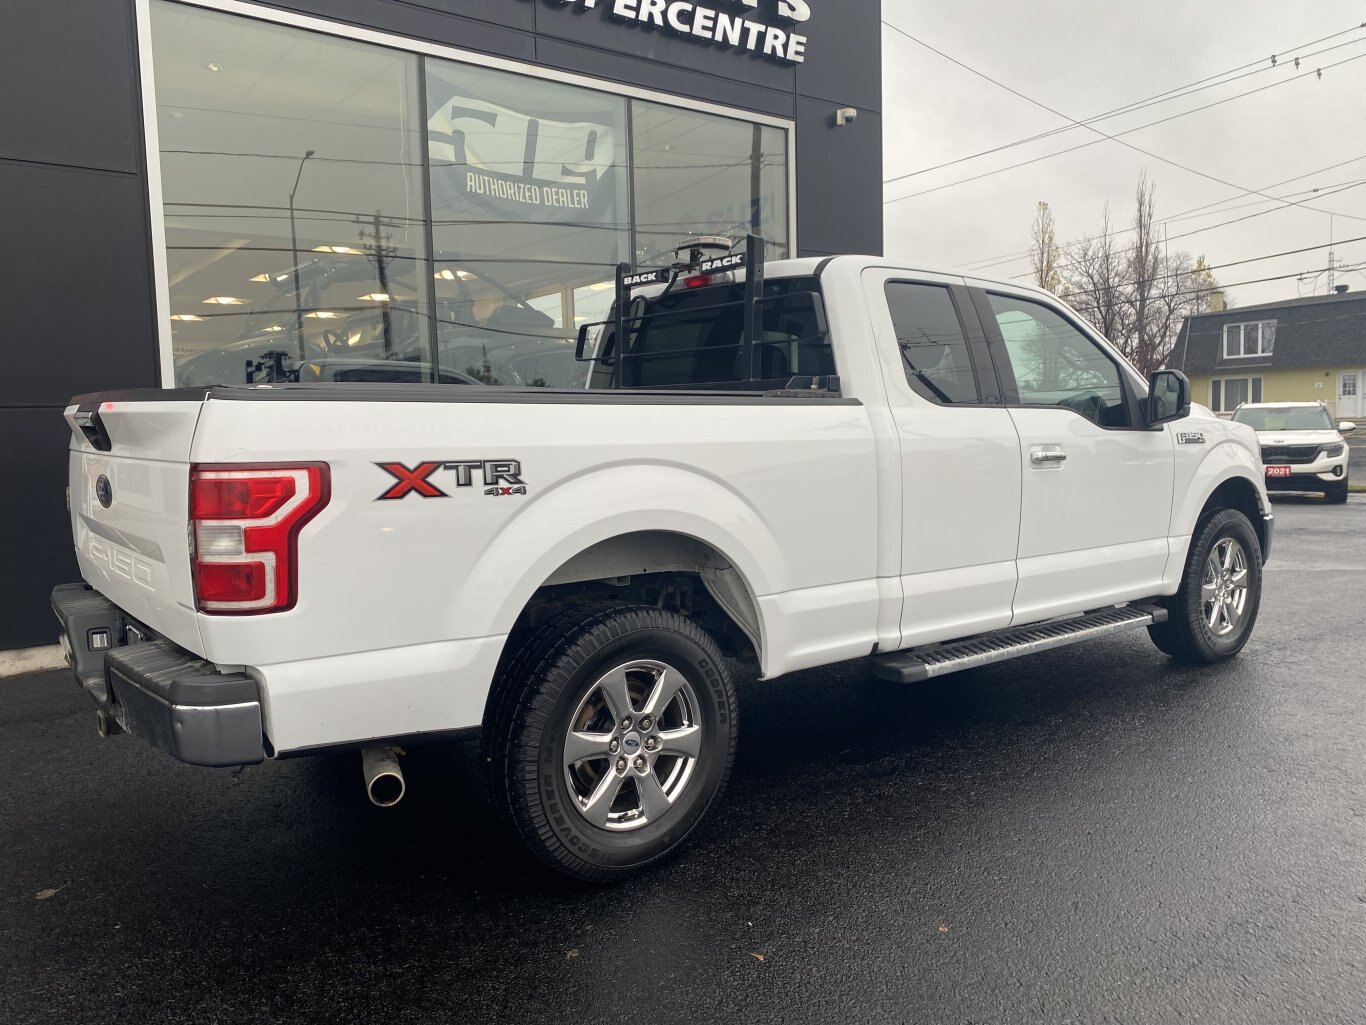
187,186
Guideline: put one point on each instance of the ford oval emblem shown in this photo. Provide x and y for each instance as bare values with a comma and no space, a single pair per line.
104,491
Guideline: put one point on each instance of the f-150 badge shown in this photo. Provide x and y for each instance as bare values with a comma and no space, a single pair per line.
500,478
1190,438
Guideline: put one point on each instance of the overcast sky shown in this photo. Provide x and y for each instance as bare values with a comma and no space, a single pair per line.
1086,58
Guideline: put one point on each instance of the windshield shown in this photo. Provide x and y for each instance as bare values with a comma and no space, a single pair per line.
1285,418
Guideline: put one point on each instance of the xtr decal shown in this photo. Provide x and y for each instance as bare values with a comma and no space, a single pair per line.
498,477
414,480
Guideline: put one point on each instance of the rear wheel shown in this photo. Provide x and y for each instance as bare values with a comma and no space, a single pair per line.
1335,493
616,735
1212,614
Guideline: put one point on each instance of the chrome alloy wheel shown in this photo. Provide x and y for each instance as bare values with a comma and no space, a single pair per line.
632,745
1223,591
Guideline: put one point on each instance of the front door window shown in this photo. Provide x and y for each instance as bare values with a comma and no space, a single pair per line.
1057,365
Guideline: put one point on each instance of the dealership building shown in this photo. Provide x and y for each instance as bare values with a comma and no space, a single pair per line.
202,191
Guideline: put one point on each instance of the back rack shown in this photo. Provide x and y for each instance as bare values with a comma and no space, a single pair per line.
699,261
698,264
706,255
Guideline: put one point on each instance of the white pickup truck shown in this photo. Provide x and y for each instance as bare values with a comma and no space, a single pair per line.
787,465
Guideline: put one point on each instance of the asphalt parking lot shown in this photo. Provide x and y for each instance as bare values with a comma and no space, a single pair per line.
1090,835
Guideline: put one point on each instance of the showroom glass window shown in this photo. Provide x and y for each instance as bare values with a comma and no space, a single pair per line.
530,208
341,211
701,174
295,215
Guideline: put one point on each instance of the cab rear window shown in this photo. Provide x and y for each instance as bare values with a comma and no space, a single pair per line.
694,338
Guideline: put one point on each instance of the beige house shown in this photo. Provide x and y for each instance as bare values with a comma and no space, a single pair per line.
1298,350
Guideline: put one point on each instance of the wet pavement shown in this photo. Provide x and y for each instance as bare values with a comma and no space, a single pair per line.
1089,835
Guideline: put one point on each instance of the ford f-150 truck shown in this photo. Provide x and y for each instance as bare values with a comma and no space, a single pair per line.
790,465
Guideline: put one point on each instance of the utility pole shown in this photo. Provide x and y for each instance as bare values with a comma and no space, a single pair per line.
1332,258
375,242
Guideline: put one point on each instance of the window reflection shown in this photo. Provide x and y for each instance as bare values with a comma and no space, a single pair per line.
291,175
702,174
529,206
321,226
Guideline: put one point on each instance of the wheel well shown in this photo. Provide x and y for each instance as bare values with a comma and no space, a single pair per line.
1237,493
659,568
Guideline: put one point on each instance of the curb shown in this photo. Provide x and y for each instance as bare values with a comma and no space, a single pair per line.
31,660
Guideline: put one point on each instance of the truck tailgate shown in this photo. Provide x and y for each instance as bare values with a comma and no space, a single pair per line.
129,476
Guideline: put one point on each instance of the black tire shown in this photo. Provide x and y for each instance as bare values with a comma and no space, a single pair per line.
1335,493
557,679
1187,634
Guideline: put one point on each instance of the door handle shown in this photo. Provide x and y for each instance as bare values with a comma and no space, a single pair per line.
1047,455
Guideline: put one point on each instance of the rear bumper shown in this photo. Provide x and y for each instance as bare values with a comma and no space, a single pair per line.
153,689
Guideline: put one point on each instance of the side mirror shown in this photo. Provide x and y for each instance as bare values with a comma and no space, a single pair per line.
1346,427
1169,397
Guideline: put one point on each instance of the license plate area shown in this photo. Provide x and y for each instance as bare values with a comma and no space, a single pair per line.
1278,471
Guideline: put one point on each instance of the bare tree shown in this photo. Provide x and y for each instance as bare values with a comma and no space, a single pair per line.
1095,275
1043,253
1137,295
1146,276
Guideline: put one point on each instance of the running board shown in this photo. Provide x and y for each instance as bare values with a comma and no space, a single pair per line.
925,663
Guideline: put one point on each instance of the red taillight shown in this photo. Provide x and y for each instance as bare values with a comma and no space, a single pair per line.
245,523
230,581
239,498
697,281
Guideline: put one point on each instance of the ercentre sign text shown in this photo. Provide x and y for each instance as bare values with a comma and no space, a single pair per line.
708,23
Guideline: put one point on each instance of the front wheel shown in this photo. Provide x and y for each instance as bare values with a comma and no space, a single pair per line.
1212,614
1336,492
617,734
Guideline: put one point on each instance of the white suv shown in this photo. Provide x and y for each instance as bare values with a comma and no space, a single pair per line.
1301,449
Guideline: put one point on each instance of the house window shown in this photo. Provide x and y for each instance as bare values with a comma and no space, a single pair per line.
1228,393
1256,338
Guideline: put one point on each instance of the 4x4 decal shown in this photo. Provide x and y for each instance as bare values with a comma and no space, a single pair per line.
500,478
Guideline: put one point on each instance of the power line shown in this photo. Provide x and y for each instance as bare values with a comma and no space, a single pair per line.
1116,138
1219,287
1104,135
1164,97
1250,259
1212,227
985,263
1260,213
1216,287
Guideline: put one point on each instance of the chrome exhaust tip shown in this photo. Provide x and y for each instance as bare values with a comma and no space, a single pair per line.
383,778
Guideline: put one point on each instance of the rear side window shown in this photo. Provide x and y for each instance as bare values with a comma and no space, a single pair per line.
934,348
687,341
